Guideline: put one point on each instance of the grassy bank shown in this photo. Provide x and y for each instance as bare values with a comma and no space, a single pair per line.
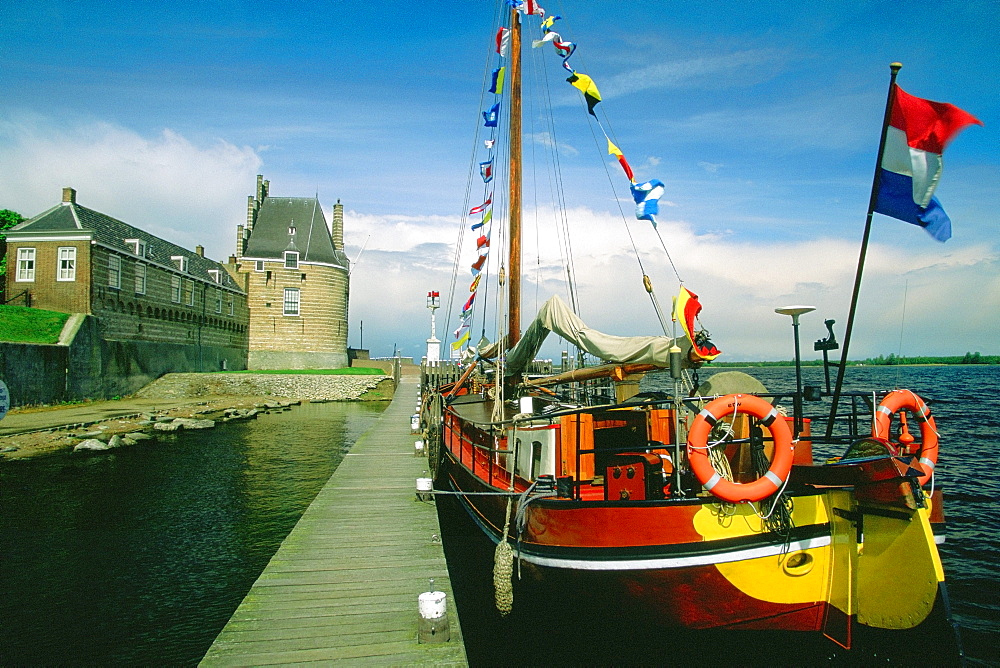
20,324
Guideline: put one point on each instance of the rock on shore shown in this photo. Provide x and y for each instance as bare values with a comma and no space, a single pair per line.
214,398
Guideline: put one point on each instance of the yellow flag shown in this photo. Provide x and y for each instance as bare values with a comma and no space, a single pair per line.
458,344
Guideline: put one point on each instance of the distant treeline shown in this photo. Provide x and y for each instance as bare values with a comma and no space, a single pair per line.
889,360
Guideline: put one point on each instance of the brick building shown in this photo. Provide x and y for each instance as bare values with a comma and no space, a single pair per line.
296,280
140,287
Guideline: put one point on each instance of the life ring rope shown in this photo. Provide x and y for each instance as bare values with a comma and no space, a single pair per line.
698,446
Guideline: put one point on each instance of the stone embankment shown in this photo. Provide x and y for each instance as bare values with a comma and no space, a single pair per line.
178,401
303,387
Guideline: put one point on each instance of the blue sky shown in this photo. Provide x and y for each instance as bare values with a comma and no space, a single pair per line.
761,118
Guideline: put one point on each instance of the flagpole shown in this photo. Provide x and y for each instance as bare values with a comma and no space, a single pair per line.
872,202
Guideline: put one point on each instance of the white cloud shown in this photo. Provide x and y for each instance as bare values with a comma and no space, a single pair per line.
740,283
545,139
193,193
743,68
165,183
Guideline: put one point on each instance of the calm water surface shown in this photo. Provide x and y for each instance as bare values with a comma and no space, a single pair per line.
142,555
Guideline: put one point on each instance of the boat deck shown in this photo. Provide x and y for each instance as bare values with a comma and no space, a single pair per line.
344,584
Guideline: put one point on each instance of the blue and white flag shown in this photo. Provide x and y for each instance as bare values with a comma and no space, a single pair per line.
647,199
490,117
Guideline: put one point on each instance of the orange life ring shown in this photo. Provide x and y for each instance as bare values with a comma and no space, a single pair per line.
697,448
927,450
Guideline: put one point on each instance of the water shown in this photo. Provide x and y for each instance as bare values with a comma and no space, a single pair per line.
965,403
141,556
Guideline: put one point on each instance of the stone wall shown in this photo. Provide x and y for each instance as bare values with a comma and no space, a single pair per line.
315,338
201,311
292,386
86,366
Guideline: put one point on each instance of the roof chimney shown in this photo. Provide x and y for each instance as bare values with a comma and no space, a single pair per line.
338,226
199,250
69,196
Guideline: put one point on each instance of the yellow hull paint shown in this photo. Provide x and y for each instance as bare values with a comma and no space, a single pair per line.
795,577
888,580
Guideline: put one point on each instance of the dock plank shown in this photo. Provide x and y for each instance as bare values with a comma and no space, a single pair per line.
344,584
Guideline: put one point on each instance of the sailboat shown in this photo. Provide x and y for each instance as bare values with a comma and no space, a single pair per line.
697,507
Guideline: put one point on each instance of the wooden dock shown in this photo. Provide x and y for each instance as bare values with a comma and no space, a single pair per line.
343,586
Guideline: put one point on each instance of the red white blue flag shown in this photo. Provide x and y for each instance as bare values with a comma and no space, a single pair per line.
911,166
486,170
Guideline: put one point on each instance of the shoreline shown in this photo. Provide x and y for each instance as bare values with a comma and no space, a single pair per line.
30,432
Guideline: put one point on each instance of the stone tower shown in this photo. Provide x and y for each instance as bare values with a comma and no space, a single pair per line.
298,283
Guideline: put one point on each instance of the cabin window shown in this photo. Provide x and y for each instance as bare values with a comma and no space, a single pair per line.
536,459
140,278
25,264
517,456
291,260
175,289
114,272
291,301
67,264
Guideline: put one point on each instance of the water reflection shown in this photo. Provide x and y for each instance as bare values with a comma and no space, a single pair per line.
141,556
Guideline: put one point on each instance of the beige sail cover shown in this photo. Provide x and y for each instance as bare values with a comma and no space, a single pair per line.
556,316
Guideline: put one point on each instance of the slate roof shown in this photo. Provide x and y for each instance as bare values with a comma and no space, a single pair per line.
71,217
269,238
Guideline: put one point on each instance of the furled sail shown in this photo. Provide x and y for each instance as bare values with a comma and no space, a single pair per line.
556,316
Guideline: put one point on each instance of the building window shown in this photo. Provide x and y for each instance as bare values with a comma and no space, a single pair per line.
218,301
114,272
138,246
189,292
175,289
291,301
67,264
231,309
180,261
25,264
291,260
258,265
140,278
216,275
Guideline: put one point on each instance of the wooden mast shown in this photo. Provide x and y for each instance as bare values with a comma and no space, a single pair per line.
514,262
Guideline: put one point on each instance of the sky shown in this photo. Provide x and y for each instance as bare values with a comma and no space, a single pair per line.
762,119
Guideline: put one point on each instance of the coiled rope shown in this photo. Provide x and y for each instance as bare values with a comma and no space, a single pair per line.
503,569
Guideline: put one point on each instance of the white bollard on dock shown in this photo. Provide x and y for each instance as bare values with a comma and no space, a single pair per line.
433,606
